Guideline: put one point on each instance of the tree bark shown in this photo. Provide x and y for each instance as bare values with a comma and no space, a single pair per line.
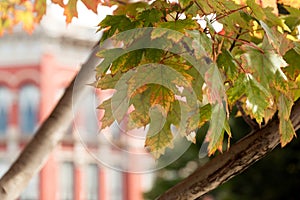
239,157
49,134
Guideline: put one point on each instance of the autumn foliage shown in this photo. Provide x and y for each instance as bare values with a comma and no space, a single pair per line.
251,62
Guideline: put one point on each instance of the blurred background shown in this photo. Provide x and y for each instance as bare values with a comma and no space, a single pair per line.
34,72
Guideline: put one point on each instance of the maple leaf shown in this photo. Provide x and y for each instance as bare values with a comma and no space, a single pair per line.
258,98
215,86
70,10
278,40
108,117
199,118
225,60
91,4
162,96
264,63
286,129
107,82
159,136
40,8
26,18
215,133
59,2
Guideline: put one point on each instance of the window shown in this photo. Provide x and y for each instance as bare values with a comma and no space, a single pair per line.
115,185
28,105
31,191
66,181
92,182
86,120
5,104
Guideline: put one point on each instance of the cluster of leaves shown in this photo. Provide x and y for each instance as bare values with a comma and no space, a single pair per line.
29,13
252,61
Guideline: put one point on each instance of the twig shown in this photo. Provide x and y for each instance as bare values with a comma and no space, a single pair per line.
243,41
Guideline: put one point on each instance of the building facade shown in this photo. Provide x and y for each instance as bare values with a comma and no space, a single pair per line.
34,71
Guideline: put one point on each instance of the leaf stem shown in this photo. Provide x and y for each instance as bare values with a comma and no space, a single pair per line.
229,13
242,41
234,41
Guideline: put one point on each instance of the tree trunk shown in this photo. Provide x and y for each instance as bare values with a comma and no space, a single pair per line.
229,164
49,134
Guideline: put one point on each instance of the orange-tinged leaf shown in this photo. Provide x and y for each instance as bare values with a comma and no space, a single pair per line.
162,96
108,118
40,8
59,2
159,136
215,87
215,133
91,4
287,131
71,10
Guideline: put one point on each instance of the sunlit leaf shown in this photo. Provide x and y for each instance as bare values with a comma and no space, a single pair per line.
215,132
91,4
286,131
258,98
40,7
264,64
71,10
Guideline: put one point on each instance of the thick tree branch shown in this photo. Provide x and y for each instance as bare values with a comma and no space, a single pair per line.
229,164
49,134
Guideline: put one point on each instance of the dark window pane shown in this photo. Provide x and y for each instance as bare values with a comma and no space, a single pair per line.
5,104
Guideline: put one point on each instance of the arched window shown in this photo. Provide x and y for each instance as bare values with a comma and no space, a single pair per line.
28,107
5,104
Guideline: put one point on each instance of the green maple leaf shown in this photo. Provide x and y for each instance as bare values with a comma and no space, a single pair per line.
199,118
179,25
278,40
108,117
159,136
109,55
264,64
286,131
258,98
226,61
140,116
126,61
108,81
215,133
238,89
149,17
215,86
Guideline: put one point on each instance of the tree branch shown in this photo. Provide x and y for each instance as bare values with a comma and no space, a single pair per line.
37,151
239,157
